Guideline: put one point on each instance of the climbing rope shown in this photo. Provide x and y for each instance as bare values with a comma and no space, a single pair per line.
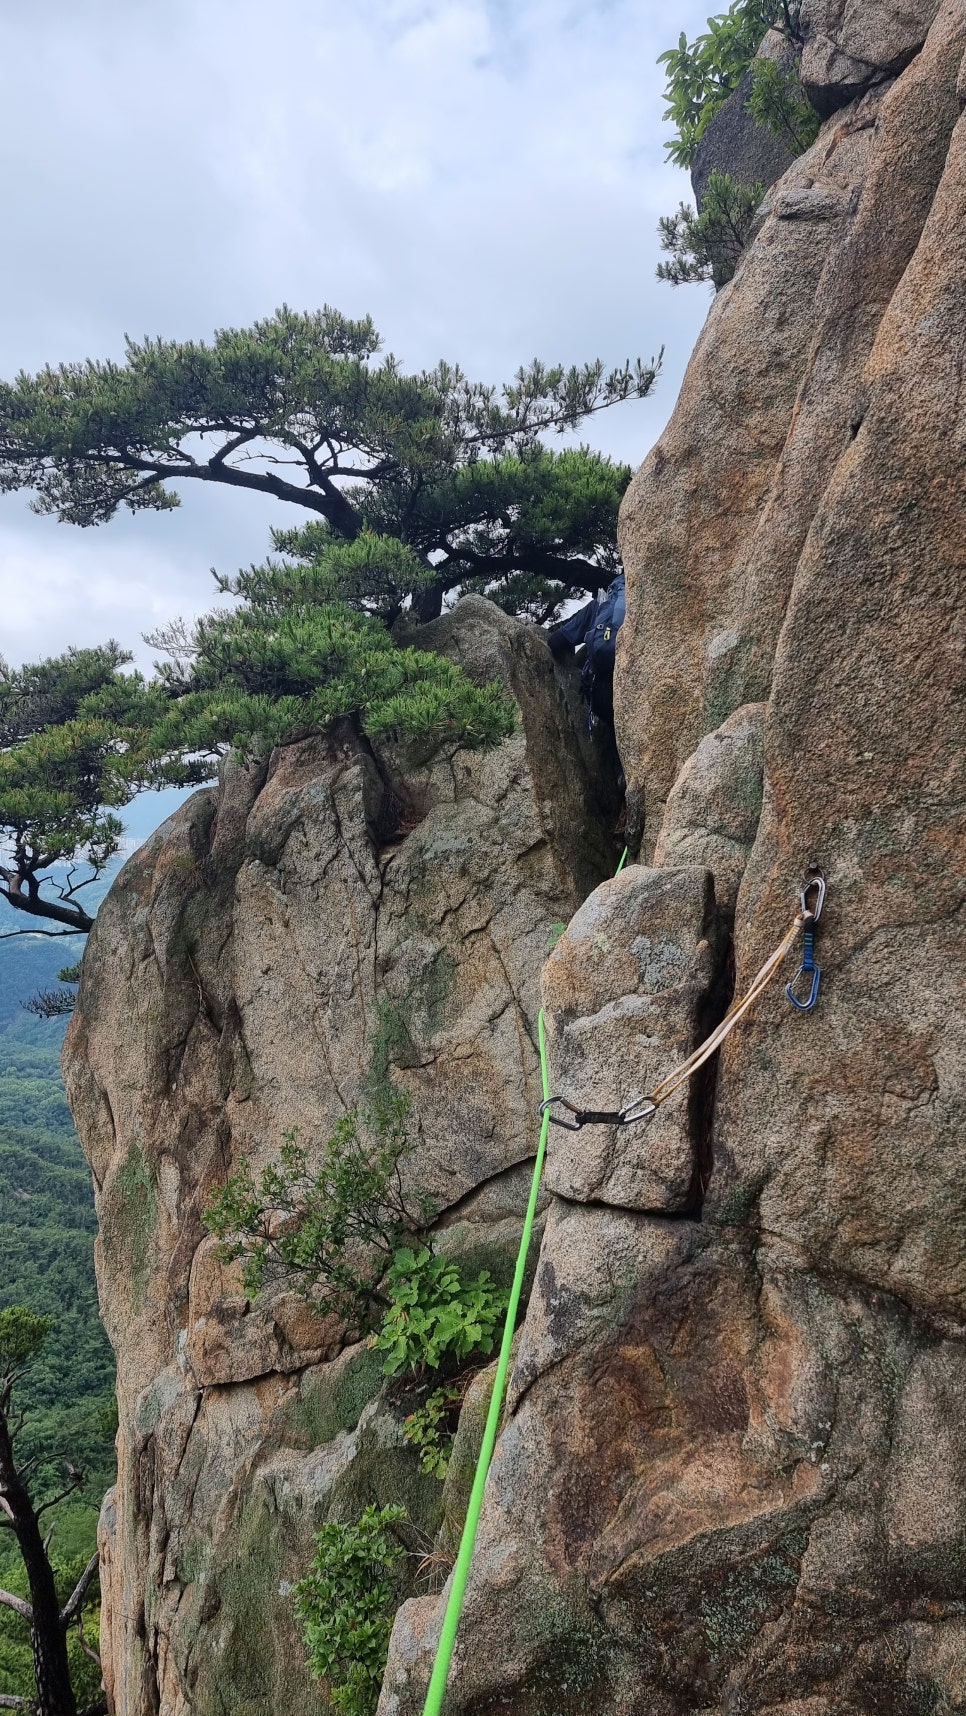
643,1109
437,1685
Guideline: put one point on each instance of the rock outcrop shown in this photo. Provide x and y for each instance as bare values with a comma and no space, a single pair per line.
347,919
750,154
731,1476
733,1473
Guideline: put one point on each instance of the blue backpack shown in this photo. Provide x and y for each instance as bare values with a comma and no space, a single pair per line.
596,626
597,678
601,636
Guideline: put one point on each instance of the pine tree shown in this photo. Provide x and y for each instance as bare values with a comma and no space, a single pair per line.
421,485
22,1335
75,746
303,408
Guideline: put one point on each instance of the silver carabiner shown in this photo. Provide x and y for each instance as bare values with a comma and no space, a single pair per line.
642,1108
817,881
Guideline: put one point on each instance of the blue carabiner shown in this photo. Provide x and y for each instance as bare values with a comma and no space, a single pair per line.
808,967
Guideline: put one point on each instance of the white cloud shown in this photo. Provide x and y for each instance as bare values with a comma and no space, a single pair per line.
484,178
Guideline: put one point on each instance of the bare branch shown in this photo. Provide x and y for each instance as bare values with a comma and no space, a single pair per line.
10,1701
9,934
19,1604
76,1598
236,441
55,1500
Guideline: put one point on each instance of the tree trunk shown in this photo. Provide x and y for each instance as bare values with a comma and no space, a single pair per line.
55,1695
428,604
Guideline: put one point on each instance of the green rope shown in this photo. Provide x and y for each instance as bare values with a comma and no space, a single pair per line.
623,861
451,1619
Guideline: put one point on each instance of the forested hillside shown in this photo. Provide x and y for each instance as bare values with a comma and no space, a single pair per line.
47,1225
47,1228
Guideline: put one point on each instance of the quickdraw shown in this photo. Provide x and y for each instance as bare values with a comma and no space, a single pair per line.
641,1109
808,967
644,1108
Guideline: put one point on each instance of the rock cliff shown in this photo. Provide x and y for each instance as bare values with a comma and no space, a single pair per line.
731,1476
346,918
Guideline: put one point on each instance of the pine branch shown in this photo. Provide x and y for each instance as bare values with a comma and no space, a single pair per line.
56,1500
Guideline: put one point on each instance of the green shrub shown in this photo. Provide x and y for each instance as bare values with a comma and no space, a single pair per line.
428,1429
702,74
707,246
330,1232
434,1314
779,103
338,1234
346,1605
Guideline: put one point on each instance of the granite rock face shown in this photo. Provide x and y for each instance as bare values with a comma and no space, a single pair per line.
850,45
627,992
714,807
715,520
343,920
732,1477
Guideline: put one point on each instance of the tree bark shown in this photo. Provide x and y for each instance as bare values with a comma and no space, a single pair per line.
36,907
48,1639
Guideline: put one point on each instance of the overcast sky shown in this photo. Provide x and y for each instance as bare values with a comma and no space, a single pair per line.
483,176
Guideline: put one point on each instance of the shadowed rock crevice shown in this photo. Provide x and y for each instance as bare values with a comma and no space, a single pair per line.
703,1087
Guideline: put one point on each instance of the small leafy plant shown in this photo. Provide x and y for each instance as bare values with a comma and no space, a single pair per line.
434,1314
779,103
329,1231
428,1429
346,1606
702,74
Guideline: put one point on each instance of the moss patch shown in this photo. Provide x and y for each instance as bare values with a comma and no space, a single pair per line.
330,1398
135,1215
